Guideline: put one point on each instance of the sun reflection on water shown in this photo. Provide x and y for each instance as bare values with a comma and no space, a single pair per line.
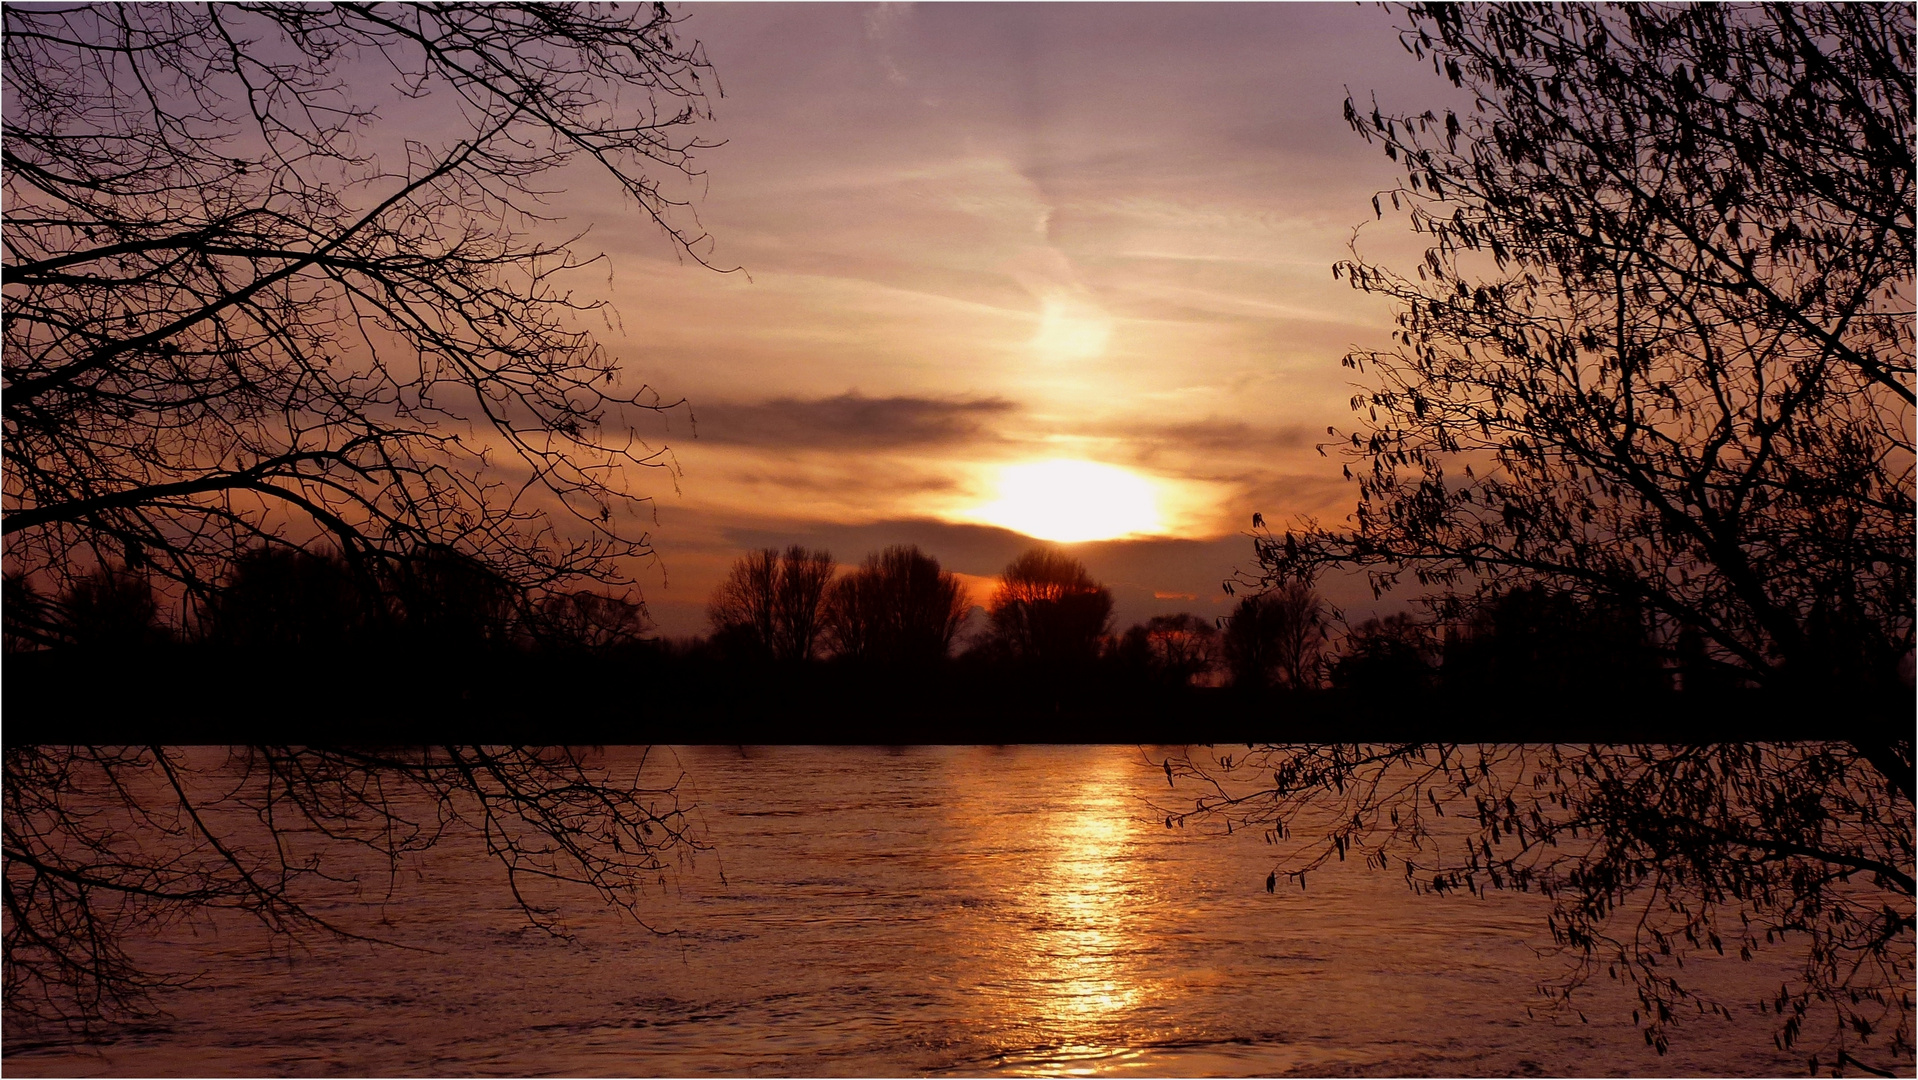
1073,930
1082,960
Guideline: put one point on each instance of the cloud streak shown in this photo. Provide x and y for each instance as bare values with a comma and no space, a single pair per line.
851,421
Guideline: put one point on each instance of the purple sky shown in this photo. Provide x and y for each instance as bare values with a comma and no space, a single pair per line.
980,236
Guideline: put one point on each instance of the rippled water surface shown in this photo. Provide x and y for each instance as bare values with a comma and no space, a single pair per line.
866,911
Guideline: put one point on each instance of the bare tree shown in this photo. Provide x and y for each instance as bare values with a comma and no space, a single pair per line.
742,609
1048,610
1276,638
1649,854
898,606
799,602
248,302
105,844
771,604
1660,350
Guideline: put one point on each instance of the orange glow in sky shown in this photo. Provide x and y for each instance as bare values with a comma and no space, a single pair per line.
1013,273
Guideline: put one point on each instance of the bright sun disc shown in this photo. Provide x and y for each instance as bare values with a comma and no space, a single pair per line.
1070,501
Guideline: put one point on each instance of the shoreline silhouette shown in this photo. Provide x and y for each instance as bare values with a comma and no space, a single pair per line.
168,696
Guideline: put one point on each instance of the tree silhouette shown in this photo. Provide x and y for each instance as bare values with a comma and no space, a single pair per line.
1176,650
1276,638
897,607
109,609
1534,641
1659,353
1048,611
1397,654
247,303
591,621
30,619
799,602
443,598
279,598
770,606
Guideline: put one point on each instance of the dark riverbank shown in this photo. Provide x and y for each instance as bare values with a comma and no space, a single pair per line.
182,696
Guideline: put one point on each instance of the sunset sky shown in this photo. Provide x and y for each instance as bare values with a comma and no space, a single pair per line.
1011,271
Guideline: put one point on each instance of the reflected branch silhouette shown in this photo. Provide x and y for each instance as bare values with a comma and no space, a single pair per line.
104,844
1649,853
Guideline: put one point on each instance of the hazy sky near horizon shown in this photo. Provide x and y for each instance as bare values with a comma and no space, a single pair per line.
981,240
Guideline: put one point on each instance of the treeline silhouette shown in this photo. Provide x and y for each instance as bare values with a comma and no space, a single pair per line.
335,649
1049,619
288,601
893,649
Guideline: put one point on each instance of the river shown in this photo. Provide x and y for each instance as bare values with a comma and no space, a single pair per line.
933,910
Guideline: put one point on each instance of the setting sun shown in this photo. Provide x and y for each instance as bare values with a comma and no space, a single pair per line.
1070,501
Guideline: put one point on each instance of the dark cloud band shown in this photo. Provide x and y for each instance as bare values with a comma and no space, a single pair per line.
850,421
